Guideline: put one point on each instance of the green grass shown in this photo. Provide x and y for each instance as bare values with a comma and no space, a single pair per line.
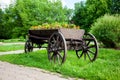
106,67
12,40
4,48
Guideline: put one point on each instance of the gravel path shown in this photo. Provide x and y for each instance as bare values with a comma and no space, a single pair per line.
1,43
12,52
15,72
15,52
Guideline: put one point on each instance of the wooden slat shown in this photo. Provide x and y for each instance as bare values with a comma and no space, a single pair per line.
76,34
36,37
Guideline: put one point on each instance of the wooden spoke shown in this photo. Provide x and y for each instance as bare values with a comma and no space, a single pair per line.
60,55
85,56
52,56
79,53
55,56
88,56
88,43
92,46
58,38
91,52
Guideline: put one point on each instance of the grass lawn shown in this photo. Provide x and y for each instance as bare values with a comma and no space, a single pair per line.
12,40
106,67
4,48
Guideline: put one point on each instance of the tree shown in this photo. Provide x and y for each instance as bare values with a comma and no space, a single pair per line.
79,17
95,9
34,12
1,15
115,6
8,22
1,26
19,17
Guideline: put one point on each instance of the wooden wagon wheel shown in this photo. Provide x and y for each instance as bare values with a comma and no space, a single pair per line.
57,48
28,46
89,47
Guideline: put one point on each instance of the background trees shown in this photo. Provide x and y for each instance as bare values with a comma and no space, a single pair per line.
1,26
115,6
89,15
18,18
86,13
80,14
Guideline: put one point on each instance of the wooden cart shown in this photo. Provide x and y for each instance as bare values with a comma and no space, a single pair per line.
58,41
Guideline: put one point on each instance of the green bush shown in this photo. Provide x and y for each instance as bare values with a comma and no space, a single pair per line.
107,30
20,32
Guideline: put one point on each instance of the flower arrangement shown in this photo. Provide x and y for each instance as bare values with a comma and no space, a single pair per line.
55,25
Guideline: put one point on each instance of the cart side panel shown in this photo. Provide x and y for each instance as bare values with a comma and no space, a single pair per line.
42,33
73,33
40,36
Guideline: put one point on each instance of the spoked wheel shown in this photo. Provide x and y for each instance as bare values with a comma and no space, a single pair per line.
57,48
28,46
89,48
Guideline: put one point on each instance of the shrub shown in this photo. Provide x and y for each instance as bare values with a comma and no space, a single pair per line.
107,30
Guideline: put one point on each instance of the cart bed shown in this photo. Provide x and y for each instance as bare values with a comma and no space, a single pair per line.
67,33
